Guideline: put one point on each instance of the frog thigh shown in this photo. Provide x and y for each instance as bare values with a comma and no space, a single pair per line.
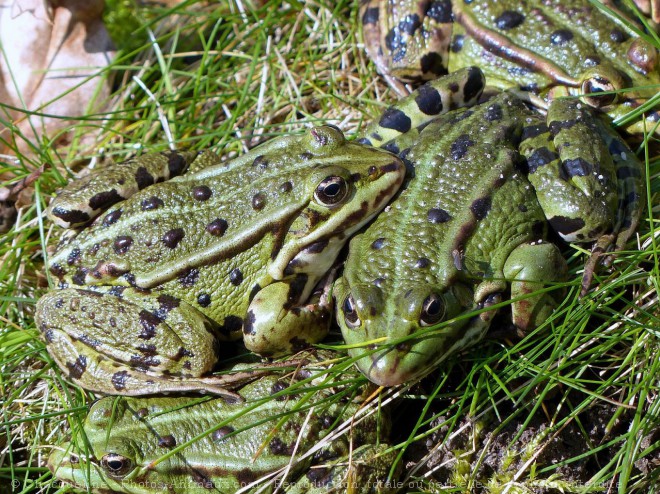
532,267
127,342
275,325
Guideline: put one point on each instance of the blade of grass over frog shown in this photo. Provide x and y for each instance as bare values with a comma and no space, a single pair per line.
637,112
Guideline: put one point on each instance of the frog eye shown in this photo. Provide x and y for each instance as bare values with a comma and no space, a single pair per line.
591,88
331,191
433,310
349,309
116,465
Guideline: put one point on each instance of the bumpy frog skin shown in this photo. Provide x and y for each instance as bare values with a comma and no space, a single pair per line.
469,227
272,428
224,251
534,45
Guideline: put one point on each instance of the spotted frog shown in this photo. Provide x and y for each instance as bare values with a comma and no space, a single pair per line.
168,269
282,427
469,228
534,45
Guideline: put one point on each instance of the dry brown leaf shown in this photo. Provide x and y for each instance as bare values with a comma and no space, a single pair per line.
52,53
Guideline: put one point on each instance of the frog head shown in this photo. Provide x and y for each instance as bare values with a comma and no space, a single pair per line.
406,335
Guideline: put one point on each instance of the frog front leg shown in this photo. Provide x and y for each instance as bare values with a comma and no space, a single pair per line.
278,322
530,268
587,180
120,341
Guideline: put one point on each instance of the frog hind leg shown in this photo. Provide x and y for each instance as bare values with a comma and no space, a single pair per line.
120,341
531,267
588,182
277,322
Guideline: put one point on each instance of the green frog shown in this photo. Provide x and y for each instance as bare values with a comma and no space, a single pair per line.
533,45
468,230
285,432
173,253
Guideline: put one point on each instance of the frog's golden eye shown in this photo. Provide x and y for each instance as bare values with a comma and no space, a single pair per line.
433,310
351,317
116,465
592,89
331,191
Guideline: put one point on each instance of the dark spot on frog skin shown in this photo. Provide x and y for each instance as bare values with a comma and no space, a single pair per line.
440,11
176,163
236,277
258,201
457,43
391,147
522,208
166,303
428,100
378,282
143,178
260,162
509,19
532,131
112,217
370,16
105,199
94,249
565,225
431,63
298,344
618,36
73,257
316,247
122,244
277,387
248,324
217,227
117,291
286,187
79,277
151,203
396,120
578,167
231,324
540,157
172,237
278,447
142,412
474,84
189,277
460,146
560,37
220,434
119,380
77,369
167,441
143,362
57,270
201,192
480,207
557,126
319,476
493,113
149,321
422,263
74,216
204,299
378,244
437,215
